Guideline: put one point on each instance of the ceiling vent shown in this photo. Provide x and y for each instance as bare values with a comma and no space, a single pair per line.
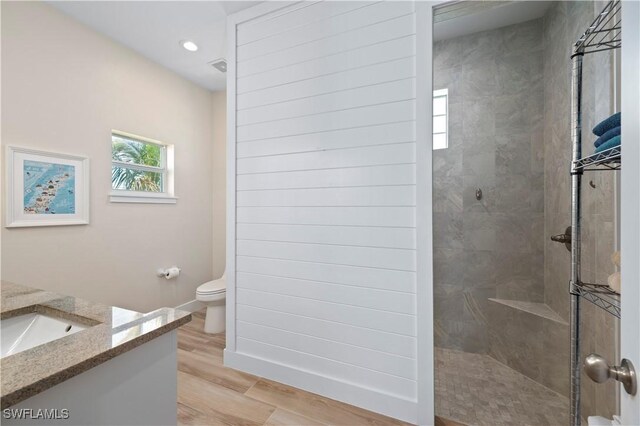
219,64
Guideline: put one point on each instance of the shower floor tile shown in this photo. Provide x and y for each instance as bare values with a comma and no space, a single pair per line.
478,390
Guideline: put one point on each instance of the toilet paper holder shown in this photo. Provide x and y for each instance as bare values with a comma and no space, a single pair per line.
168,273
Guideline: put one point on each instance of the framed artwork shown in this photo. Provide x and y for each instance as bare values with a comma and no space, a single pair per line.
46,189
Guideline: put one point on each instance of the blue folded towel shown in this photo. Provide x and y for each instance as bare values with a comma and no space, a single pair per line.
608,124
614,141
607,135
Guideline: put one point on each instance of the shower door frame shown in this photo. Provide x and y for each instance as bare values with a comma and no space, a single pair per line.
424,210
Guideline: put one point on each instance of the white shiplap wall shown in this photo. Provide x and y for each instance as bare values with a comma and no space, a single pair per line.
324,157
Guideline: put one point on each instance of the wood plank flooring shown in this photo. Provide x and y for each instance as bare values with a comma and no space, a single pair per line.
211,394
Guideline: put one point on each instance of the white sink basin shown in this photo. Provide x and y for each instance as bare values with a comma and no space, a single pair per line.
27,331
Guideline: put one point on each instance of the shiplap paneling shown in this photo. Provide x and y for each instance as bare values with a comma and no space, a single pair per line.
346,353
329,368
381,69
390,112
387,237
356,58
394,174
286,20
280,61
378,155
336,101
370,257
384,279
359,336
347,216
393,301
391,322
323,28
355,196
325,195
383,134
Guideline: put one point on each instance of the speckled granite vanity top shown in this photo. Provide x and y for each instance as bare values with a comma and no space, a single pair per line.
111,332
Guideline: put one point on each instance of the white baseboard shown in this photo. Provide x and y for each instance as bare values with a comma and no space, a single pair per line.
192,306
369,399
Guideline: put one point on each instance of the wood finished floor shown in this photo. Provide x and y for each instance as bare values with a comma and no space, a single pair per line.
211,394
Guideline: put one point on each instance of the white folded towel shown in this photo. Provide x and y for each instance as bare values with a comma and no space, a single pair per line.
614,282
602,421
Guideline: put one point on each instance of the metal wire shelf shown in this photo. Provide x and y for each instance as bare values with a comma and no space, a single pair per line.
600,295
609,159
604,33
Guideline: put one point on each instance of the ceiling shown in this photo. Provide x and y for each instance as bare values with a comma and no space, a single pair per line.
459,18
155,29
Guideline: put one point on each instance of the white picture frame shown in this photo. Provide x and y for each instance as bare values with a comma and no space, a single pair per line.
45,188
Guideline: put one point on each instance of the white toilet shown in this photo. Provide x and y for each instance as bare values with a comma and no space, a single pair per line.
213,295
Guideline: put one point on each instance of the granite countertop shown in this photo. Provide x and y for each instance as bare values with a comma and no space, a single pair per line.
111,332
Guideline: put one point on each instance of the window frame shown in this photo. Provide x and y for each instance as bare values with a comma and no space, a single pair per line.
441,93
166,169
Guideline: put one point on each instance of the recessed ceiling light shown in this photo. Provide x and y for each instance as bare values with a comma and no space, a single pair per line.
189,45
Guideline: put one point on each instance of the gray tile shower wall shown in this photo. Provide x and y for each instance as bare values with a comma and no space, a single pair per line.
563,24
509,124
488,248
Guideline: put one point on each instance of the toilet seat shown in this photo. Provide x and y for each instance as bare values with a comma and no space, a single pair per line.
212,291
212,297
212,287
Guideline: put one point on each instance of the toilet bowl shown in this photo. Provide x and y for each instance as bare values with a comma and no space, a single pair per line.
213,295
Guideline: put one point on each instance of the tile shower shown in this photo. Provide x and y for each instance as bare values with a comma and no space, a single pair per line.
500,284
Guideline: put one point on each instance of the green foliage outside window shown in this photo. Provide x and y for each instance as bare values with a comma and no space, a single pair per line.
124,152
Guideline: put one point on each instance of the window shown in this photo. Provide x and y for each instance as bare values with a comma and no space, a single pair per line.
440,119
141,170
